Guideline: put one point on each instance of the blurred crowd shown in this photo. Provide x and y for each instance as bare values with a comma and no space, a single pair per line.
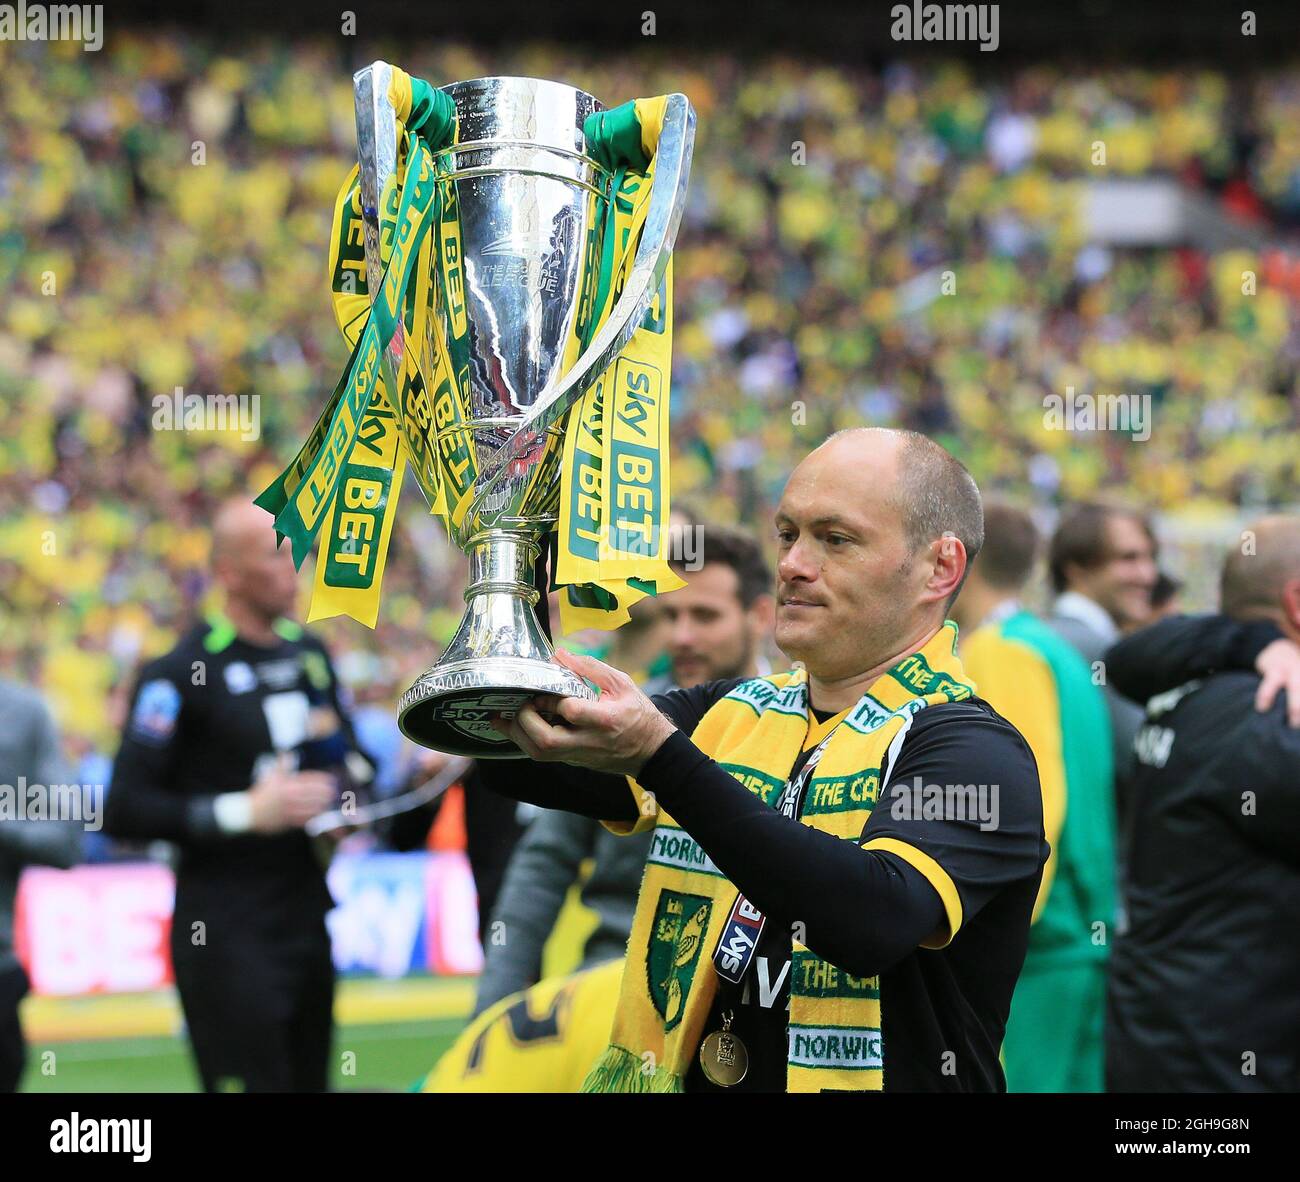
164,213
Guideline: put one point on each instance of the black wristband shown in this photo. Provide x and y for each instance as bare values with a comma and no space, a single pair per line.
201,817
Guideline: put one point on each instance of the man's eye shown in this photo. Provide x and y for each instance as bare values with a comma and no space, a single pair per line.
836,539
784,535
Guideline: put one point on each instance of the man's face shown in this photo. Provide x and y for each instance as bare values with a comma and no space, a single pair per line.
1122,581
262,576
847,584
710,634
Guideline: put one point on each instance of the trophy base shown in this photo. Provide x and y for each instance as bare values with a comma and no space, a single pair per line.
450,707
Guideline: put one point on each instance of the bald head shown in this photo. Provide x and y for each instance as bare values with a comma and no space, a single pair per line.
237,527
258,578
931,489
1261,575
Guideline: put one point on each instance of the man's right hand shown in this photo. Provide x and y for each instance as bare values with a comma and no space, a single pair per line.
283,799
1279,666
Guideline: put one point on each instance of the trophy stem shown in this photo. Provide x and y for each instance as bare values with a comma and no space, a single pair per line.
498,659
501,561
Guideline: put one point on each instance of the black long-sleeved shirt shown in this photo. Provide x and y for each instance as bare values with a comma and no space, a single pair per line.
1203,991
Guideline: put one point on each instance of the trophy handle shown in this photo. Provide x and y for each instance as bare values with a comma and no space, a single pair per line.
377,137
376,153
667,200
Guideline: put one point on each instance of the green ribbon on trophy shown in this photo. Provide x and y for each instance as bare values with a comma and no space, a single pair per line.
345,481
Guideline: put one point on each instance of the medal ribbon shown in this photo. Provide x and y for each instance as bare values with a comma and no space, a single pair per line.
738,940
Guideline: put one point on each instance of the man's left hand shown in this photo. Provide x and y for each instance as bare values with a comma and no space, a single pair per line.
616,732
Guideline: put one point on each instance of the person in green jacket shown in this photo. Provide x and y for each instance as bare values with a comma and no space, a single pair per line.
1039,683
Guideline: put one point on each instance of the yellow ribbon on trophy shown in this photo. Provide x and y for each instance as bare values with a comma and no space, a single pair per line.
615,487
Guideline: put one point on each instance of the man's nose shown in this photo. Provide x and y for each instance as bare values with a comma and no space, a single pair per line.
681,633
798,562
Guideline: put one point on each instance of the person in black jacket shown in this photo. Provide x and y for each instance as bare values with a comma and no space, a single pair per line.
1204,992
235,739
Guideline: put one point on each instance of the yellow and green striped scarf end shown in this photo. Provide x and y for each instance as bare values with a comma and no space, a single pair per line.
619,1070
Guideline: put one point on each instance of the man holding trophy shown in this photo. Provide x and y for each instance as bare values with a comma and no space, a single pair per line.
501,262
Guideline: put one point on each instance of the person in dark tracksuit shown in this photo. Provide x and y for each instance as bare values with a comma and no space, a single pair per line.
1205,983
234,740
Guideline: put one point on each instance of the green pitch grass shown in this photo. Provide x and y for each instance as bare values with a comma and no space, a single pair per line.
387,1035
388,1056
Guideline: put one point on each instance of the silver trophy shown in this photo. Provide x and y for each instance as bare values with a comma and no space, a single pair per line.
530,205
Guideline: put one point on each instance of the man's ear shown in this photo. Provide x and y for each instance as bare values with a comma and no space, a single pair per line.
225,571
1291,602
949,565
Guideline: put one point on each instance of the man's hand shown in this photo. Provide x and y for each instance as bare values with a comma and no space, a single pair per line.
282,799
617,732
1279,666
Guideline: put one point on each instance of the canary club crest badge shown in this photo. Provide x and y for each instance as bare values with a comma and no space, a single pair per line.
676,940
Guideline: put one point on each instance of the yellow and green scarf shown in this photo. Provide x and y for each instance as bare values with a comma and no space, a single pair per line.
756,732
344,483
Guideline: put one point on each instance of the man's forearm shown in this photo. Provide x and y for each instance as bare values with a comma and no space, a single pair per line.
42,843
1174,651
598,795
136,812
861,909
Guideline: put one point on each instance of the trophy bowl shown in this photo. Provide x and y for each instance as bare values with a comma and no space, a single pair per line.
523,215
